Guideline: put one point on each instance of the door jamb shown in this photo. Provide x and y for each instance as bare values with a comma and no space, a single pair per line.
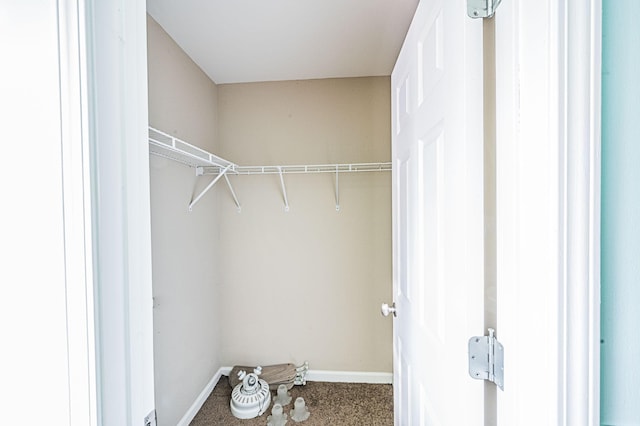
548,59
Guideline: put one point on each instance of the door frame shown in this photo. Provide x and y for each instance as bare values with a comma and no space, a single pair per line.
548,61
115,36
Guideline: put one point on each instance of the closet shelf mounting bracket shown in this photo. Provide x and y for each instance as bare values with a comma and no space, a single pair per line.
211,184
233,194
337,191
284,190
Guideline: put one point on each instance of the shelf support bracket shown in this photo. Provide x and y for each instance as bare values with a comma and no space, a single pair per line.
233,193
213,182
337,191
284,190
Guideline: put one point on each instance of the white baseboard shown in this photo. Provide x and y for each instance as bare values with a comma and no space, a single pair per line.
339,376
349,376
197,404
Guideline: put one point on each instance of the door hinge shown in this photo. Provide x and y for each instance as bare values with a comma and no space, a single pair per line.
482,8
151,419
486,359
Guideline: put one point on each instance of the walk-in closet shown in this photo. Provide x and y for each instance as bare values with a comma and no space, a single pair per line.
271,225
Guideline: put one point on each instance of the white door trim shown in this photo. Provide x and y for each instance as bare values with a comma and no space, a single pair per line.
118,123
81,336
582,168
548,183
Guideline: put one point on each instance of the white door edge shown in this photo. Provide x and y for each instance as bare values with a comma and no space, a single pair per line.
438,216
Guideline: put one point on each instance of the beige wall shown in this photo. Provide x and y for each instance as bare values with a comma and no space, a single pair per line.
182,102
307,284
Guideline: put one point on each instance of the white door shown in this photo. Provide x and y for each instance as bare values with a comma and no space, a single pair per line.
438,216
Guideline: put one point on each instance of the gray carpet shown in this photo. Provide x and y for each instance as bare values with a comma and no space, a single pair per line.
329,404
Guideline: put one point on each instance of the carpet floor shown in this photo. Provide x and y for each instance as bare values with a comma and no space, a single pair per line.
329,404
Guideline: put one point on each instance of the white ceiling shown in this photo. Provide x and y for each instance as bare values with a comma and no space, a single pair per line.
268,40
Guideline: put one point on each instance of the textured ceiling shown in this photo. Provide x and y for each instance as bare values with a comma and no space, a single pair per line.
268,40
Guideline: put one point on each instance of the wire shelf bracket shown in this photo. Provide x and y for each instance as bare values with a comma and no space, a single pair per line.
211,184
337,191
284,191
233,193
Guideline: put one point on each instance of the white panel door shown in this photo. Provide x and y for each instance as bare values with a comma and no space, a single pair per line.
438,216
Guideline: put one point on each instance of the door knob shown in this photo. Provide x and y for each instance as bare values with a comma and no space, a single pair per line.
386,309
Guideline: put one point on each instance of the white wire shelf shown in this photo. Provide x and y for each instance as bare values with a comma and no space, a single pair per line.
205,163
167,146
312,168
